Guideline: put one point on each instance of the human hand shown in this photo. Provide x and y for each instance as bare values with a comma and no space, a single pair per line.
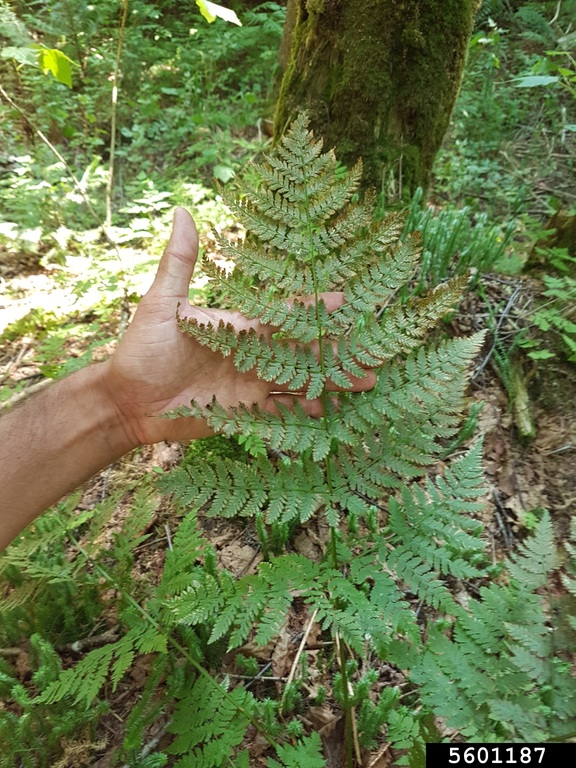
157,367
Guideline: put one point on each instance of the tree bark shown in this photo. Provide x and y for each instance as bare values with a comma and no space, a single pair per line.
379,79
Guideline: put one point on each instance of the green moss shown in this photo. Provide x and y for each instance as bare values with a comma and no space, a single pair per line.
380,79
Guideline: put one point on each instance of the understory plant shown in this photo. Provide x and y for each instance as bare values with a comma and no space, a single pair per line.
456,242
554,314
395,649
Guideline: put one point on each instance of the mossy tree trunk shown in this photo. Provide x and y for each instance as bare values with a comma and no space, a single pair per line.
379,78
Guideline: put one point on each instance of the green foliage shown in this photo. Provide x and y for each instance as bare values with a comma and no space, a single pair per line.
11,27
508,671
552,318
454,241
209,723
32,733
305,754
42,591
306,235
399,537
372,448
495,148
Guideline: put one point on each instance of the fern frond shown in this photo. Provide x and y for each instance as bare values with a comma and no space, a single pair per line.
297,490
288,430
83,682
306,234
198,601
267,265
536,556
501,660
307,753
403,728
420,579
403,327
221,338
188,546
234,607
385,595
435,521
209,723
375,284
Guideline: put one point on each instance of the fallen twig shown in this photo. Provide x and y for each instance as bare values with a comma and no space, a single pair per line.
507,309
299,653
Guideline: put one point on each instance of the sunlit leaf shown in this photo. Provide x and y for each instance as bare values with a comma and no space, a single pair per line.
534,81
212,11
223,173
53,60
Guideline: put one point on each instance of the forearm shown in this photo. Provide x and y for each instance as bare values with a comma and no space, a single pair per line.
54,442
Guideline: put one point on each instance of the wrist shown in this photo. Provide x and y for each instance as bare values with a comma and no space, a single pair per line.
112,424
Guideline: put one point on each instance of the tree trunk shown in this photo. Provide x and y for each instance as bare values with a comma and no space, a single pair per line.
379,79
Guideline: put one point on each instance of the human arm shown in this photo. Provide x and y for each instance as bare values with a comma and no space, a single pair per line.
53,442
62,436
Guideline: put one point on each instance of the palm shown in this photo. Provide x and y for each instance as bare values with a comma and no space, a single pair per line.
157,367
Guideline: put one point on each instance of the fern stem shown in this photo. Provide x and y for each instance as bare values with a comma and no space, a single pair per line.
348,753
348,737
324,395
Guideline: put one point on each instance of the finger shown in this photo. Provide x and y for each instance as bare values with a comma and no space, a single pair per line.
332,300
314,408
357,384
179,258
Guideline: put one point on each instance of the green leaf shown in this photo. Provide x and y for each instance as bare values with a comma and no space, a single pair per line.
25,55
223,173
212,11
53,60
307,753
535,81
541,354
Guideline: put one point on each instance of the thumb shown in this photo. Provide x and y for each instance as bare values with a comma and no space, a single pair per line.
179,258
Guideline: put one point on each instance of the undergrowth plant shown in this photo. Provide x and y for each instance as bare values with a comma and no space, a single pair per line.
456,242
553,316
509,660
402,527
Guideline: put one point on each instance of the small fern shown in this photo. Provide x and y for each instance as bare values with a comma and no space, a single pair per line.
209,724
506,671
84,681
305,754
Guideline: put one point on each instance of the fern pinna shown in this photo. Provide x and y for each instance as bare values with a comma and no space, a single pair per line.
509,661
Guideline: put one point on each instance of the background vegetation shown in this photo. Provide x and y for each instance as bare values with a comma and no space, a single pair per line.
195,102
